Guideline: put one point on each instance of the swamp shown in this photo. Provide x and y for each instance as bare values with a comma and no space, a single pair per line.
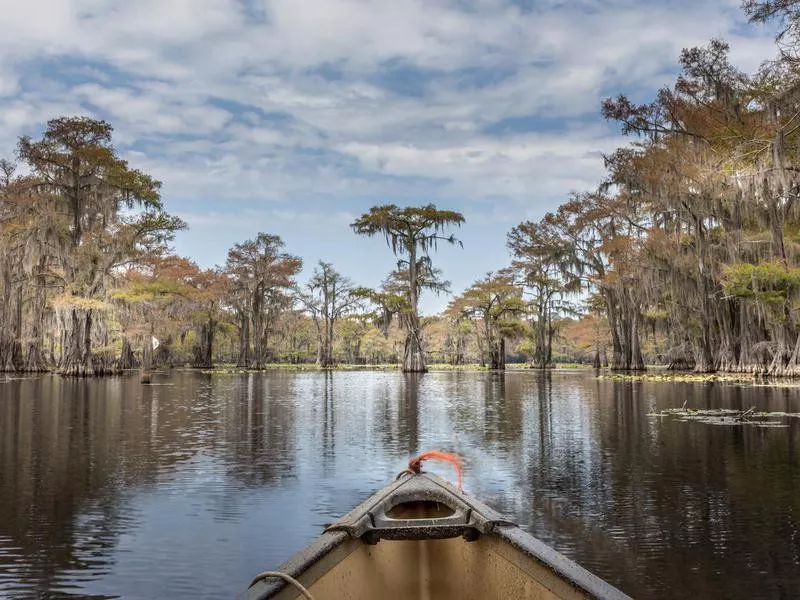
615,358
187,487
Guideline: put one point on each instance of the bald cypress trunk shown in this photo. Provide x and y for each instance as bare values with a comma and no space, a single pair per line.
127,359
203,351
413,351
35,361
76,323
10,348
617,357
413,354
494,356
162,357
458,357
637,362
244,341
325,352
146,373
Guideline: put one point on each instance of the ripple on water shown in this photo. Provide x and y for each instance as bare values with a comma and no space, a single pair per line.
187,490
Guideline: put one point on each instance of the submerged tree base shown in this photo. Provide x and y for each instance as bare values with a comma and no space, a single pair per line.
84,371
25,369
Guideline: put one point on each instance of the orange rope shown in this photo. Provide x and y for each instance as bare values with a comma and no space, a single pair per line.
415,464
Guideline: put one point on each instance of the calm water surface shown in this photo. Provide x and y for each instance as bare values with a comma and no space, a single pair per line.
187,488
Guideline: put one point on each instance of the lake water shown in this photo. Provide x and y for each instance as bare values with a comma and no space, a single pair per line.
187,488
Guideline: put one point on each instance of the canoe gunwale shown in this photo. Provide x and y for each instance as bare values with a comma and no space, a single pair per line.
368,523
563,567
301,563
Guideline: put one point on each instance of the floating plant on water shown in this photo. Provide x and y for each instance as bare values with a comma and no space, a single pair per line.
727,416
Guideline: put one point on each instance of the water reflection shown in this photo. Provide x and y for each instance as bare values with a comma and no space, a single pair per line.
187,487
258,437
407,407
61,482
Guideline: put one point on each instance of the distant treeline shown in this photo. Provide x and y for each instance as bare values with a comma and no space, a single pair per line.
687,253
90,285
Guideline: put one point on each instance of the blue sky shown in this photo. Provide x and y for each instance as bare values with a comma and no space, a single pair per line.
294,116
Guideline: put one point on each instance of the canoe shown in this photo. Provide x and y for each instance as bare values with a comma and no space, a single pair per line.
421,537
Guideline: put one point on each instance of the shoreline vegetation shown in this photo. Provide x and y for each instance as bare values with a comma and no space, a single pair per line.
659,374
434,367
687,253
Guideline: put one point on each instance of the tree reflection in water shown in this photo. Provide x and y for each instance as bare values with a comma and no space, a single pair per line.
188,487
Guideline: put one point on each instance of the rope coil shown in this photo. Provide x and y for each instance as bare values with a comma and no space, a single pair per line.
287,578
415,464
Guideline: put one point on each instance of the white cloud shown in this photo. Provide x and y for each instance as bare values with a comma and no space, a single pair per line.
153,111
520,166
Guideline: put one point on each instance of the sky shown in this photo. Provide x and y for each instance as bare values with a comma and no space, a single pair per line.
293,117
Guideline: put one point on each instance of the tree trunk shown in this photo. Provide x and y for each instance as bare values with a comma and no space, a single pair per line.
324,343
104,363
244,341
35,361
704,360
146,374
162,357
625,340
325,359
459,357
494,345
543,339
77,351
637,362
617,360
320,350
127,359
258,326
776,231
680,363
203,351
481,349
14,361
413,352
329,362
6,353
